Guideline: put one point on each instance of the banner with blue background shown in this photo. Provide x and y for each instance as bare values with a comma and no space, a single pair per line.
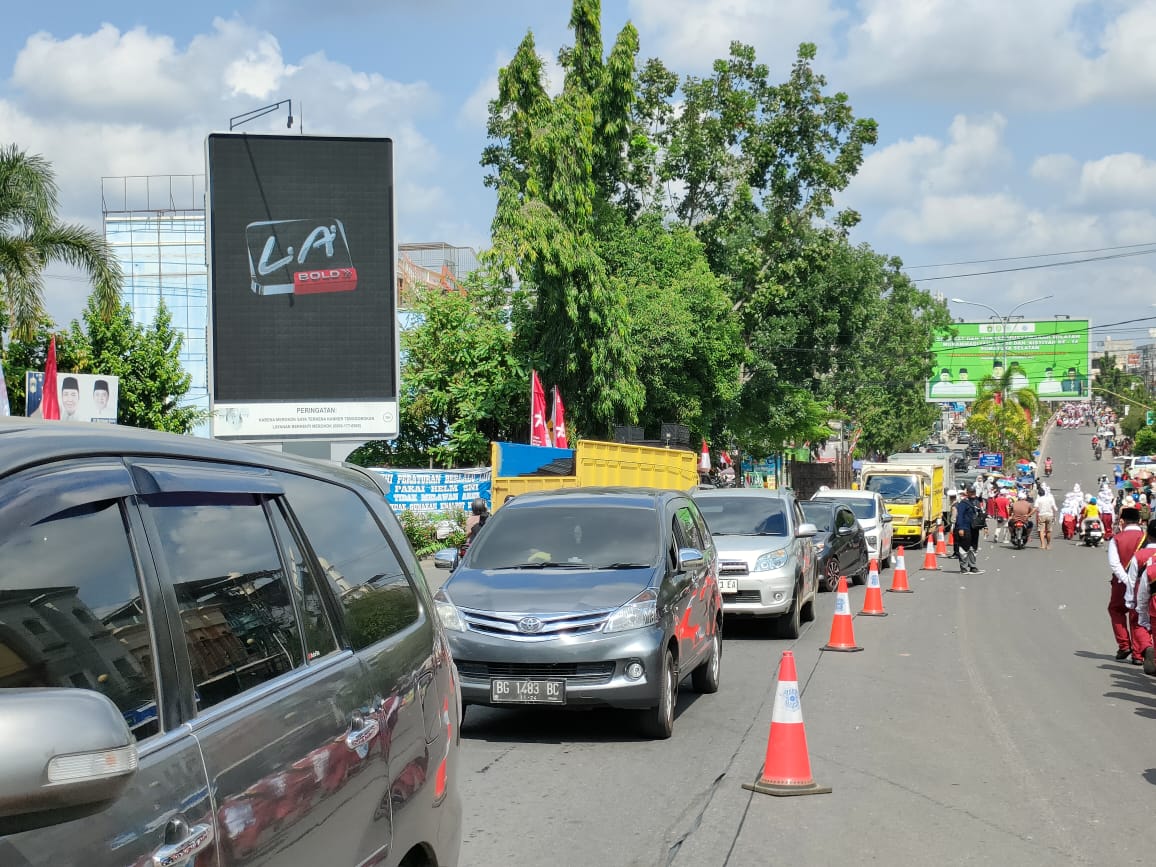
435,490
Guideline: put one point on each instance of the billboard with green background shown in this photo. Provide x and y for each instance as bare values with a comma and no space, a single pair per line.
1051,357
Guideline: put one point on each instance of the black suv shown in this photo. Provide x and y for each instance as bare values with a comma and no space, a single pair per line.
217,654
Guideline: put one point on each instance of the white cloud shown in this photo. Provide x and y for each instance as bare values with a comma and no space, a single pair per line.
925,165
1057,169
692,34
113,103
1117,179
961,218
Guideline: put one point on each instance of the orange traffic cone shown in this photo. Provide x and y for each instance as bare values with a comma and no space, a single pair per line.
787,769
940,543
899,576
873,600
929,561
842,632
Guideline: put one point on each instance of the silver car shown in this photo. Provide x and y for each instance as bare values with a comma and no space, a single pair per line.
766,558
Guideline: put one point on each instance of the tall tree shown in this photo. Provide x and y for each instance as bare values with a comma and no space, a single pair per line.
554,163
1005,415
31,236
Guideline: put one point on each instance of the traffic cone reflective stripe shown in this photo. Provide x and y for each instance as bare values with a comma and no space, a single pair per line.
873,599
842,632
940,543
929,561
899,576
787,769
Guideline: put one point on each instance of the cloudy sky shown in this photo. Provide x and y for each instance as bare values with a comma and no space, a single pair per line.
1008,128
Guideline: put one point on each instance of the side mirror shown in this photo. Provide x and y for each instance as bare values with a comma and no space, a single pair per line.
690,558
446,558
66,754
844,531
806,531
887,519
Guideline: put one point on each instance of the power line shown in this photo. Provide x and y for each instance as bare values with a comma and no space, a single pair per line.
1033,256
1035,267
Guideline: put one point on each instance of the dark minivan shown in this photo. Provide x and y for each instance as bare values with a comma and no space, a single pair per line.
214,655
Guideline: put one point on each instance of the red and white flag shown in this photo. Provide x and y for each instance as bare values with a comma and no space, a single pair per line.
560,440
539,435
50,401
724,459
704,459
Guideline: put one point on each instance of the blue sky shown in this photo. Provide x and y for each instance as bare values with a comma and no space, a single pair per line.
1006,128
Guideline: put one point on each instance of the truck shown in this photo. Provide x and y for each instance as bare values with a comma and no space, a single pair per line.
914,493
518,468
946,460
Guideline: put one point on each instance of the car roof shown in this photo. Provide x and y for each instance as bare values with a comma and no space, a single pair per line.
764,493
845,494
587,496
33,442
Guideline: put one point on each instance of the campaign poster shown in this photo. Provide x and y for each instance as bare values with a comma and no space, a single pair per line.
90,397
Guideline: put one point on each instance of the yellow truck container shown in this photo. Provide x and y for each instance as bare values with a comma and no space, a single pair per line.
601,463
913,494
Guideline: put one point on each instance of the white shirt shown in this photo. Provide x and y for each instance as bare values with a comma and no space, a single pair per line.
1046,506
1136,594
1119,573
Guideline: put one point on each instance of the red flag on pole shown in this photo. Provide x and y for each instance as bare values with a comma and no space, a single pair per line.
539,435
50,402
704,459
560,440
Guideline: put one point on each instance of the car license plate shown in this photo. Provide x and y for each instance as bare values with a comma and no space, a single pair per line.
506,691
728,585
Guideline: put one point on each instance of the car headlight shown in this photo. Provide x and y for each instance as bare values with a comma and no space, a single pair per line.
640,611
448,613
872,540
775,559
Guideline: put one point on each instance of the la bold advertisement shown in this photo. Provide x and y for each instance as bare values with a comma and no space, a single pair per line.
303,287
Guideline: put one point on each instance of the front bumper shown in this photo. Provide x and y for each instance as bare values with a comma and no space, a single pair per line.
600,661
761,593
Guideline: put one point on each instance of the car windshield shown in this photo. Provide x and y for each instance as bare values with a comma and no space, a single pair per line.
744,516
561,535
819,514
863,507
895,489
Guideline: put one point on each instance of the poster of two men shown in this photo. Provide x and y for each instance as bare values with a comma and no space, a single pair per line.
82,396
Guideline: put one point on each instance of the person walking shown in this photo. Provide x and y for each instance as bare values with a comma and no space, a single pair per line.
1002,509
967,522
1046,511
1141,601
1121,551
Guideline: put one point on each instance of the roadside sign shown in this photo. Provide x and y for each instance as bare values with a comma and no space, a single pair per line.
1149,417
990,461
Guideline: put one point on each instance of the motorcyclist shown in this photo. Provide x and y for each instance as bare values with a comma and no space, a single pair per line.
1090,512
1048,466
1022,509
479,514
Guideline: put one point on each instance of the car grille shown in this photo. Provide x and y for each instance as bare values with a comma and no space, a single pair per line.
571,672
744,596
504,625
733,567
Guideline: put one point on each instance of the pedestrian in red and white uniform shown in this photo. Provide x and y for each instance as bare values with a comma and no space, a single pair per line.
1121,551
1140,599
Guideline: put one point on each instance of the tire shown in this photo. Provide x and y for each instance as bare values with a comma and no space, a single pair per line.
830,582
860,578
885,563
658,722
790,624
807,614
705,678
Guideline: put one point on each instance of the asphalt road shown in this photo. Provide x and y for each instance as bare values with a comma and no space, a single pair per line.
986,722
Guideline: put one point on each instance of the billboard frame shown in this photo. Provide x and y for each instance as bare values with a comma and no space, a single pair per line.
393,413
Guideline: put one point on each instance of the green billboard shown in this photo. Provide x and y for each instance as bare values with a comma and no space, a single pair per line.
1050,357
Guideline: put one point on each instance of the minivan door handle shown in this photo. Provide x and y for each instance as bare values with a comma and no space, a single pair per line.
362,730
192,840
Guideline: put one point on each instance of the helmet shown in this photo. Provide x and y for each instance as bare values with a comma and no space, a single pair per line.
478,506
953,492
1023,495
1092,501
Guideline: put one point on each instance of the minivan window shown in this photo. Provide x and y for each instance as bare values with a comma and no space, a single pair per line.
359,563
745,516
316,627
71,613
235,603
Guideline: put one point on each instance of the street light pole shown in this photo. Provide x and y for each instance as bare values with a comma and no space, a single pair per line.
1005,320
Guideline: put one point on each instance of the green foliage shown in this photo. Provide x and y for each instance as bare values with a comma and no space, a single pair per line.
1000,415
31,236
421,530
379,613
1144,442
145,358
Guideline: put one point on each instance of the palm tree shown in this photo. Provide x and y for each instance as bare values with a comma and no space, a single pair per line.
1004,414
31,236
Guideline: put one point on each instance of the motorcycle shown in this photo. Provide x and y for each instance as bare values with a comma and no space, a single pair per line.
1099,452
1048,470
1093,532
1018,532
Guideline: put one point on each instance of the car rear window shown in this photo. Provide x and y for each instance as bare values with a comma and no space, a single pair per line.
745,516
863,507
819,514
576,536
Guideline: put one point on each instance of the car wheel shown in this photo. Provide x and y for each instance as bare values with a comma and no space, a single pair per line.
658,722
789,624
807,615
706,677
885,563
831,576
860,577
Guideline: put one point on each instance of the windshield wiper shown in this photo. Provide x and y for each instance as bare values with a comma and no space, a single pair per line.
545,564
624,566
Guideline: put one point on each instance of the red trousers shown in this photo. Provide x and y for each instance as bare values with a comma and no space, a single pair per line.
1142,636
1124,622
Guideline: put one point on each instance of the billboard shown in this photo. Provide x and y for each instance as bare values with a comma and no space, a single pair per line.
302,266
82,396
435,490
1050,357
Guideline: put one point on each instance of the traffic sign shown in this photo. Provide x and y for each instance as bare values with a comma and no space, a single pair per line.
990,461
1149,417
